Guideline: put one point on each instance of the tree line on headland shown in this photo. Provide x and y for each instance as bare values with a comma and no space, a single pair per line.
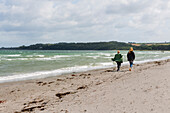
112,45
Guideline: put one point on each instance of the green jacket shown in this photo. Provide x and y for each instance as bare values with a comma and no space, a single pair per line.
118,58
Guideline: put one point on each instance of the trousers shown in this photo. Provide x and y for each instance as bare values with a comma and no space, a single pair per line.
118,65
131,64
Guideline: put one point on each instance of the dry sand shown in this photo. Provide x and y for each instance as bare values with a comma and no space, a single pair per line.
146,89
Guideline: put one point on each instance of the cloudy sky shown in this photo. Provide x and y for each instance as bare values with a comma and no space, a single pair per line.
25,22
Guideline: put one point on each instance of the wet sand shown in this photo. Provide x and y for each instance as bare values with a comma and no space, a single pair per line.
145,89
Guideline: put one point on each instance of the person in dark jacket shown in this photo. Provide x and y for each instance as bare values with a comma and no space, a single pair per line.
131,57
118,59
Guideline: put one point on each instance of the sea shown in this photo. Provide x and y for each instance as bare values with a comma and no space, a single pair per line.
17,65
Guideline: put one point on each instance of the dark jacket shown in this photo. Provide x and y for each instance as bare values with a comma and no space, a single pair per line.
131,56
118,58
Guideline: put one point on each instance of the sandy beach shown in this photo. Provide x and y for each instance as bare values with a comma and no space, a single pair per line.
146,89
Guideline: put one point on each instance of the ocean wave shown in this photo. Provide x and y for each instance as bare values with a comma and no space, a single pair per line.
108,57
149,52
61,56
30,56
33,58
151,60
43,74
105,54
94,57
92,66
65,56
15,55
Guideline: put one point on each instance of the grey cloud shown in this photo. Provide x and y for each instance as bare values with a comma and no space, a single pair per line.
32,21
130,8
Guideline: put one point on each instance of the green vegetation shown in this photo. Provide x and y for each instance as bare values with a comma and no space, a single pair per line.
113,45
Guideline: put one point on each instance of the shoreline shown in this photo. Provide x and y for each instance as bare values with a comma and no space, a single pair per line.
72,72
91,90
88,71
124,65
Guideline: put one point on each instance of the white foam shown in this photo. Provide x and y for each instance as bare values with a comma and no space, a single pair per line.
35,56
156,55
105,54
108,57
148,52
40,58
16,55
94,57
48,58
8,59
106,63
40,55
65,56
61,56
151,60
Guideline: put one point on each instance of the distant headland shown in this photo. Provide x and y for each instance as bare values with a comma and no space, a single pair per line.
112,45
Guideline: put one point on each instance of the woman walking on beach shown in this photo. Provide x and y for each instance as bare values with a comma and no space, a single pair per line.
118,59
131,57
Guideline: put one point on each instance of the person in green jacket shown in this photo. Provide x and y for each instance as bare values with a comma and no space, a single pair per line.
118,59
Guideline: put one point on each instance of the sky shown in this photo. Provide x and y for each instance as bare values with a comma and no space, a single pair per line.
25,22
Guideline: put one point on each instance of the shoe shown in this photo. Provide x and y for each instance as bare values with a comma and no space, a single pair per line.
129,69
